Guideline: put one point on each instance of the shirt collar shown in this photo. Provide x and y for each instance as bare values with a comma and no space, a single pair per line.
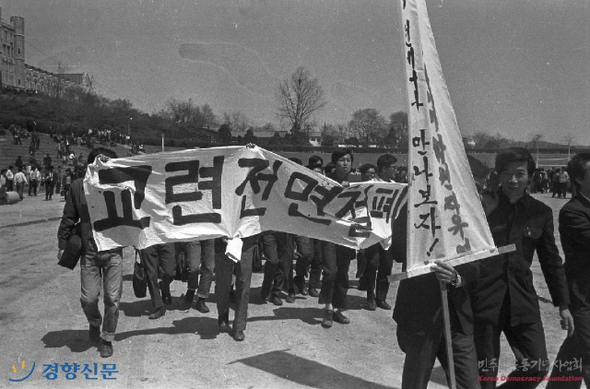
522,203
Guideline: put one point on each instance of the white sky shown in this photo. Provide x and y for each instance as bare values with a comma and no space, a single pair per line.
512,67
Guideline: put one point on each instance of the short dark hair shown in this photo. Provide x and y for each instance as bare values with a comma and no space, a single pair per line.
339,153
385,161
365,168
315,161
296,160
575,167
98,151
515,154
329,168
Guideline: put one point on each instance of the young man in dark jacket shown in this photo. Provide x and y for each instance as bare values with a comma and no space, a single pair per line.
99,269
574,229
505,300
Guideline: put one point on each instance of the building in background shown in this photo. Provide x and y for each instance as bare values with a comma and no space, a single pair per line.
17,75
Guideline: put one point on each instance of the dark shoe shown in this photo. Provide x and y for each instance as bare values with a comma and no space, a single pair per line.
340,318
223,322
328,319
239,336
106,349
291,298
300,286
158,313
371,305
303,290
383,305
201,306
276,300
313,292
189,296
94,333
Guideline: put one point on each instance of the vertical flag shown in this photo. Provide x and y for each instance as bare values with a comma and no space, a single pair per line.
445,218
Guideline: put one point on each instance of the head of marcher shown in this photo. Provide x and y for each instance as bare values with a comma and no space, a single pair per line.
386,167
515,168
578,169
103,151
342,160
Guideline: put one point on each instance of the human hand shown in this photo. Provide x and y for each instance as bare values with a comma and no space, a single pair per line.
250,145
59,254
567,320
445,273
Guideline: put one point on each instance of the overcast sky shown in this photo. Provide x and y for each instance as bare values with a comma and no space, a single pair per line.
514,67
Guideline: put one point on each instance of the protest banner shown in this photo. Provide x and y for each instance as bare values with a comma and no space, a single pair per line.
232,192
446,220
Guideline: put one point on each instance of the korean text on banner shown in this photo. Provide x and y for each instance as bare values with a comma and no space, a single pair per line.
232,192
445,216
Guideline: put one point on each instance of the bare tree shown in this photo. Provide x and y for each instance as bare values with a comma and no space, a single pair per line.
535,139
569,139
368,124
209,118
299,97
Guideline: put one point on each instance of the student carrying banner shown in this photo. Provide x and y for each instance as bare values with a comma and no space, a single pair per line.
335,258
419,317
99,269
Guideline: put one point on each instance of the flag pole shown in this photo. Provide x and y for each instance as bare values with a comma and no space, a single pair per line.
448,336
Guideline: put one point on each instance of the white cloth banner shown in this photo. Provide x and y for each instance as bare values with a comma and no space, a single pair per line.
232,192
445,216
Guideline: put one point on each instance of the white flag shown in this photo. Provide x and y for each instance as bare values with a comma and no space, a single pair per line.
445,218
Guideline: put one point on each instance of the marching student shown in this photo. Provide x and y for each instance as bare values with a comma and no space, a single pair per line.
574,229
101,272
504,300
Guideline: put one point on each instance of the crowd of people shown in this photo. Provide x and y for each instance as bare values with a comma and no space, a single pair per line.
486,298
31,177
54,175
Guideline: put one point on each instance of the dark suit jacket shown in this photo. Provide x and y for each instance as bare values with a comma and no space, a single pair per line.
574,228
529,225
418,305
75,210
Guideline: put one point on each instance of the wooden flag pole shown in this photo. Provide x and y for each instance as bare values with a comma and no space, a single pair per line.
448,336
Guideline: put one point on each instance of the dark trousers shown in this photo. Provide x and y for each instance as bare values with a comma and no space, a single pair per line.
573,358
159,261
48,190
201,260
33,187
223,283
275,246
20,187
423,348
527,342
379,263
315,268
335,264
301,249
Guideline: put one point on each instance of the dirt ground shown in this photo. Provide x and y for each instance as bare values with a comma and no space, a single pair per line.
41,322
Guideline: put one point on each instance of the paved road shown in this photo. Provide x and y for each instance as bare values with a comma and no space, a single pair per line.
41,322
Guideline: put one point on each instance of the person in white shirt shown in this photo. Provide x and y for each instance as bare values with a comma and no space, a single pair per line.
20,181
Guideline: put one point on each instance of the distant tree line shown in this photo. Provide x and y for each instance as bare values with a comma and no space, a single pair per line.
185,123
